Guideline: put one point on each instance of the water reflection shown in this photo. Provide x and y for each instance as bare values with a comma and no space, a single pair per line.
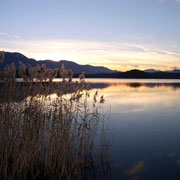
145,124
135,97
52,136
136,169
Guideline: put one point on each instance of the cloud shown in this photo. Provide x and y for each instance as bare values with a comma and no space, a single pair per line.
8,35
131,48
16,37
177,1
119,55
175,55
158,52
175,67
107,32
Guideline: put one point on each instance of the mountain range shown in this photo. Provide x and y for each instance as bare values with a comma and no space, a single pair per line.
15,57
100,71
155,71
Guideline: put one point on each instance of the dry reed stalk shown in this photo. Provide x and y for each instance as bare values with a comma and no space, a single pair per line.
1,56
48,130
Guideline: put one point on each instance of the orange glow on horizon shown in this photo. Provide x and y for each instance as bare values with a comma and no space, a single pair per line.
113,55
140,96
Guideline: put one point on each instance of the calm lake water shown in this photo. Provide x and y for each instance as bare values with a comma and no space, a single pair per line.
145,127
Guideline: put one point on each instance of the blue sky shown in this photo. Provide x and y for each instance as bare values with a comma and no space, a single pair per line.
119,34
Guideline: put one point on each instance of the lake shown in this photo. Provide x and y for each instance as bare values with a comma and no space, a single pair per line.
144,126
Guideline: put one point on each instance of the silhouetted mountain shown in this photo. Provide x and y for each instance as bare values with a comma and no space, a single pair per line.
137,74
91,71
174,71
76,68
151,70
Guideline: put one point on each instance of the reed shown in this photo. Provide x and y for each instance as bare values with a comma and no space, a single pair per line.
49,130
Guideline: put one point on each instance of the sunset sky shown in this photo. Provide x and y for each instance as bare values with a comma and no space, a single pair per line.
119,34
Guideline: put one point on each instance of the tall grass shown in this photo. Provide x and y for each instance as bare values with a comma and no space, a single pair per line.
49,130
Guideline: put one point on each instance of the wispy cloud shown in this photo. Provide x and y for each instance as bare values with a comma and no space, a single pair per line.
106,32
158,52
8,35
116,55
174,68
177,1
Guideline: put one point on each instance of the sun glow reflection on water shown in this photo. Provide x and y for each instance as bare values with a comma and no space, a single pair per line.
144,123
145,126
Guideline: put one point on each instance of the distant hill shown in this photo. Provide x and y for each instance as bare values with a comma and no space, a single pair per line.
156,71
91,71
151,70
15,57
138,74
174,71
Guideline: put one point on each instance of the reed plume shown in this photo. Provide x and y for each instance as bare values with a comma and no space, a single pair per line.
49,130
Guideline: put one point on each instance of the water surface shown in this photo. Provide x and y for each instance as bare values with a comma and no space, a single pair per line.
145,123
